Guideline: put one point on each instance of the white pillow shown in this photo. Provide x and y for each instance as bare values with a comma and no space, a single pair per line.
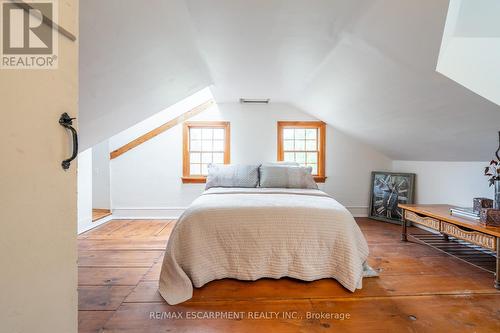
232,176
286,176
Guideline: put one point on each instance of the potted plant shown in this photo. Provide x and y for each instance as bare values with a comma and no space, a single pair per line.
493,171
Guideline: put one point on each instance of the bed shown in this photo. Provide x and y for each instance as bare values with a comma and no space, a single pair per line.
253,233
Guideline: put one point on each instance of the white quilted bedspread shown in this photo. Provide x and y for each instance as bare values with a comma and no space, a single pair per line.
248,234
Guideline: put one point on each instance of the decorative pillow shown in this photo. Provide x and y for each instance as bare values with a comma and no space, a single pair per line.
286,176
232,176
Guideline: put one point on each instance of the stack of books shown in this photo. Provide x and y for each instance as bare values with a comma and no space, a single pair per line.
465,212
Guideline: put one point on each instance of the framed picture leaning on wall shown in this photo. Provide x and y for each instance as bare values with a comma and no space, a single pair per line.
388,189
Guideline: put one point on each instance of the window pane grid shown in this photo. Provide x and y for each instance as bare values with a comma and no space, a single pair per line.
300,145
206,146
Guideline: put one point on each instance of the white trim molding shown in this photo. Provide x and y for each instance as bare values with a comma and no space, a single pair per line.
153,213
89,225
358,211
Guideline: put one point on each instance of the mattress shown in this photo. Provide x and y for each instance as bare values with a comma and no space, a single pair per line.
253,233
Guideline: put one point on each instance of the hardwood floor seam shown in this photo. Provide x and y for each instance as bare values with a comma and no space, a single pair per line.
118,288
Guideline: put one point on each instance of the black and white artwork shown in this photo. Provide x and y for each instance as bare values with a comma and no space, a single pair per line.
388,190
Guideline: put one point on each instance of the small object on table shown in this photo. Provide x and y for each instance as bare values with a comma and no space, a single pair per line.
490,217
467,212
480,203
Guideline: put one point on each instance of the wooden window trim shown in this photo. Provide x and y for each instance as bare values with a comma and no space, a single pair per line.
186,177
321,126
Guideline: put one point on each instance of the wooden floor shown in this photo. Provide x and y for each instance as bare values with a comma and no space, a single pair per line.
419,290
99,213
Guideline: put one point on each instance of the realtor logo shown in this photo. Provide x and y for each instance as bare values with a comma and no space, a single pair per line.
29,40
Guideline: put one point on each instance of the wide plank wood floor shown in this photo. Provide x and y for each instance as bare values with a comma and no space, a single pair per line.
98,213
419,290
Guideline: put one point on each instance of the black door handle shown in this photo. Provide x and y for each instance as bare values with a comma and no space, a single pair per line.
66,121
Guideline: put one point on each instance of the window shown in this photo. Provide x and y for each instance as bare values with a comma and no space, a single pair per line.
204,143
303,142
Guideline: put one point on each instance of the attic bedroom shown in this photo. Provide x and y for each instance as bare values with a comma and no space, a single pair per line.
250,166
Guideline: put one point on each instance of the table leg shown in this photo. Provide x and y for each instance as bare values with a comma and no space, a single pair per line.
404,238
497,274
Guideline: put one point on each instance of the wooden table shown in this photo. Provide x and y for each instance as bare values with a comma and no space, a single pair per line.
438,217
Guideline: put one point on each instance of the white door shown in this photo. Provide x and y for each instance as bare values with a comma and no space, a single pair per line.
38,276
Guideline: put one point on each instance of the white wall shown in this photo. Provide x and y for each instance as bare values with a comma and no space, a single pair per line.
84,190
146,181
455,183
101,197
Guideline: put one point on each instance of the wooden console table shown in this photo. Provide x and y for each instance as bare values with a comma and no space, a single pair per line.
438,217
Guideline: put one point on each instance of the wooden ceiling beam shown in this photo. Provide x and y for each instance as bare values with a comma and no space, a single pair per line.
157,131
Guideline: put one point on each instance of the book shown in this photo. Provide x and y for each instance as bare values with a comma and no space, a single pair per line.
465,212
466,216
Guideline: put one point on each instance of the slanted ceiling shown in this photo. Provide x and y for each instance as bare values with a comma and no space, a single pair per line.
470,51
367,68
136,59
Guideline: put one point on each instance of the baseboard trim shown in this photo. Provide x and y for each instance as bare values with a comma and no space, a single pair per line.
89,225
358,211
165,213
152,213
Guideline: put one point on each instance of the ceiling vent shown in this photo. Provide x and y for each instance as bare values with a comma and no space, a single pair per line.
254,101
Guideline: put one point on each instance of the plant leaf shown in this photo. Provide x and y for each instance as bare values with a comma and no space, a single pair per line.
493,162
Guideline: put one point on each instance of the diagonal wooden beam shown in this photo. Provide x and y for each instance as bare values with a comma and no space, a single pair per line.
151,134
45,20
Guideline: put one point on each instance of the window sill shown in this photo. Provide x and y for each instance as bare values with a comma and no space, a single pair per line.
319,179
194,180
199,180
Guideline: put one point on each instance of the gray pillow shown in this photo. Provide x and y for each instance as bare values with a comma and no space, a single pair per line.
286,176
232,176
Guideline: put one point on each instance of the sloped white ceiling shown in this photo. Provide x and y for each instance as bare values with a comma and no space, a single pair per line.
366,67
470,51
136,59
